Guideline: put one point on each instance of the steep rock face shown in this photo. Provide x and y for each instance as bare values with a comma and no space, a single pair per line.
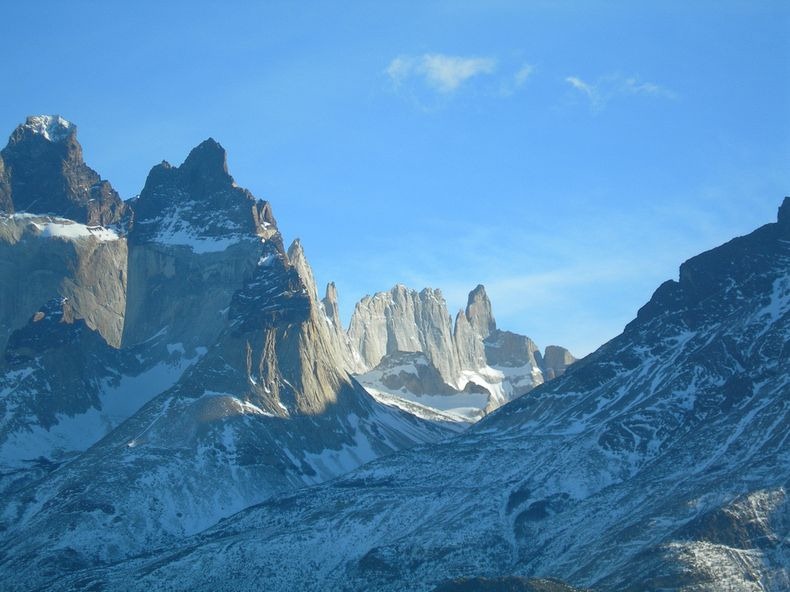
478,312
659,462
45,174
352,361
408,321
196,238
468,343
6,203
44,256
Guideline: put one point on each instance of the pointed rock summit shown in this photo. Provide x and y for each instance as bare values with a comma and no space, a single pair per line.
331,305
351,359
297,258
207,166
478,312
42,172
198,205
783,217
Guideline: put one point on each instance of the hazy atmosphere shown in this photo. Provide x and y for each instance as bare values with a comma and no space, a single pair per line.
567,155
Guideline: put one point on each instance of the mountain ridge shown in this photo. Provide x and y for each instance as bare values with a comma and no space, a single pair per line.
659,462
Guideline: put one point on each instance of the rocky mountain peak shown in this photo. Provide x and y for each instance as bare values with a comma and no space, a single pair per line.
199,205
298,259
331,305
43,172
783,217
478,312
331,293
207,166
556,360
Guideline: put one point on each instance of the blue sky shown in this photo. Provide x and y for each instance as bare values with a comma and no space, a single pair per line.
568,155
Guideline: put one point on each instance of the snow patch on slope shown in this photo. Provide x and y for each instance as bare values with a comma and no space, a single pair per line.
55,227
52,127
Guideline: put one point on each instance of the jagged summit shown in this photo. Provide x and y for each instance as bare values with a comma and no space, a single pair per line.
53,128
199,205
482,367
478,312
331,304
206,166
42,171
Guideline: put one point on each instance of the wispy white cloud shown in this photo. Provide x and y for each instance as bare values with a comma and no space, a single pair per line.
582,86
513,82
522,74
600,92
634,86
443,73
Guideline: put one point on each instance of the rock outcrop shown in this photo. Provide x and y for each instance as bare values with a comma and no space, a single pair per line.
56,256
478,312
556,360
350,357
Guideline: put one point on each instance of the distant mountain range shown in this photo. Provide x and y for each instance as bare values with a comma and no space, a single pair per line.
180,410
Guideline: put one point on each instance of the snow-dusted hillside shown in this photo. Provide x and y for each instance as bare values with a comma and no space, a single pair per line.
660,462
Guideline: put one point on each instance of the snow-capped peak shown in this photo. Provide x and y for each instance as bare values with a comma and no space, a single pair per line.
53,127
